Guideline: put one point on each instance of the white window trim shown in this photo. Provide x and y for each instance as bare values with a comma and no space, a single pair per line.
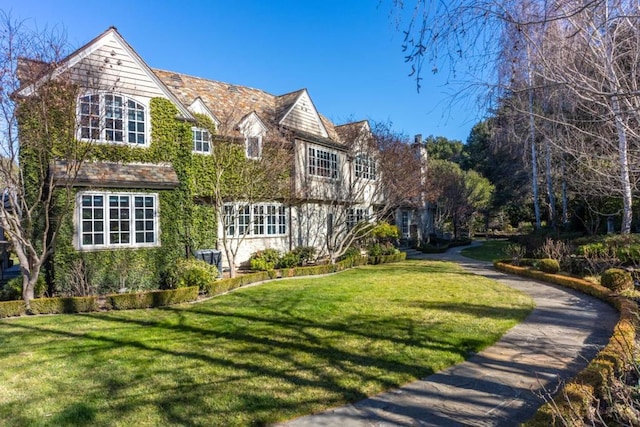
365,167
246,147
102,116
356,215
279,217
193,140
334,174
106,217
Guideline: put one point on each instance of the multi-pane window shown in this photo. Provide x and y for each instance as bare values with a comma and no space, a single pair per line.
255,220
201,141
322,163
117,220
254,147
404,223
356,216
112,118
365,167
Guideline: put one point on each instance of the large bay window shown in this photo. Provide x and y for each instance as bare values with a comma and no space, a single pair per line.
322,163
264,219
112,118
116,220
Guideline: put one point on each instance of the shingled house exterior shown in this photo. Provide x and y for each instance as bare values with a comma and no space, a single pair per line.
139,204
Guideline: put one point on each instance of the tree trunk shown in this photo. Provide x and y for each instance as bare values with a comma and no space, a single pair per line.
532,137
549,179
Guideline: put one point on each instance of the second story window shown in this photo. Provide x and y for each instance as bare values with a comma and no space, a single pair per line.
322,163
112,118
201,141
254,147
365,167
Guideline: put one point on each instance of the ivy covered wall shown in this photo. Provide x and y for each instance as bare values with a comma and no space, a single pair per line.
183,224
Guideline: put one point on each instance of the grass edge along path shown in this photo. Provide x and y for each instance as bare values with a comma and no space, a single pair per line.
255,356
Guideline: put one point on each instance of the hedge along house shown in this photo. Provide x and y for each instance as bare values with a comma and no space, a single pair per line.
169,163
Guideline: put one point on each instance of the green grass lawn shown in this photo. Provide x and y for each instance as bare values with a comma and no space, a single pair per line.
488,251
256,356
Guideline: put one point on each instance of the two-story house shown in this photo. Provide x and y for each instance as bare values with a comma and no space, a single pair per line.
144,193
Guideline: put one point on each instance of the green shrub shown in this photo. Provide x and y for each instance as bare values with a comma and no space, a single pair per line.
188,272
549,265
288,260
305,254
264,260
378,249
64,305
351,252
151,299
385,230
616,279
13,288
12,308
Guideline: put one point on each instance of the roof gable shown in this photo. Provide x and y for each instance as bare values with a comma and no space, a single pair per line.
251,125
109,63
298,112
199,107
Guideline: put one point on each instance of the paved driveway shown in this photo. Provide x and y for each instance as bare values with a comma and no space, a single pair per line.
500,386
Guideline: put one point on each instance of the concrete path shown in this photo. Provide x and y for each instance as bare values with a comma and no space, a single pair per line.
500,386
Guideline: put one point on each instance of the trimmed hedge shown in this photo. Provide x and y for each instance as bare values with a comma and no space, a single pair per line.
64,305
617,279
384,259
12,308
549,265
589,387
49,306
151,299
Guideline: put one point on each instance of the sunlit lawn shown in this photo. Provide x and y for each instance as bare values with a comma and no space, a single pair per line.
489,250
256,356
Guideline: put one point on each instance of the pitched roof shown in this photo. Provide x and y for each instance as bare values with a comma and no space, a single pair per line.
232,103
117,175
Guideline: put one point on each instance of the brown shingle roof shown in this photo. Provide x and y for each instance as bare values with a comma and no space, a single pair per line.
231,103
117,175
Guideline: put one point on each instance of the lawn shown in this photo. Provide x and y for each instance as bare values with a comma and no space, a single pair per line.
489,250
256,356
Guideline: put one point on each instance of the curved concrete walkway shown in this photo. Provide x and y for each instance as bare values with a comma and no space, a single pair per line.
502,385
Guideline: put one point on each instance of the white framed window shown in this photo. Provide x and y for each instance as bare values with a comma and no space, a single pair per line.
112,118
263,219
365,166
356,216
404,223
115,220
201,140
253,147
322,163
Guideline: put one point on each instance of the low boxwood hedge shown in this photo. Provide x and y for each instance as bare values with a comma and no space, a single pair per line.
151,299
589,387
64,305
12,308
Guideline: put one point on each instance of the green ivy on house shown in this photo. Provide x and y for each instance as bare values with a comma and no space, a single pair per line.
184,226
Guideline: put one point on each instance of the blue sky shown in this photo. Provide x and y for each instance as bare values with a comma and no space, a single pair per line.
347,53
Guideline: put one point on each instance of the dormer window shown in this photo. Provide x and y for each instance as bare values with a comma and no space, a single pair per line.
201,141
365,166
253,147
112,118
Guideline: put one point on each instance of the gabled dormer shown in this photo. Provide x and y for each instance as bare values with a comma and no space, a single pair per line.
253,130
298,112
116,89
199,107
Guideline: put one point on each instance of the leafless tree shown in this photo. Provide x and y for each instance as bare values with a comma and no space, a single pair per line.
38,126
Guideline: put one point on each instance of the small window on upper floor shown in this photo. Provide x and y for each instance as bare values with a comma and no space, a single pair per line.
201,141
109,117
253,147
365,166
322,163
